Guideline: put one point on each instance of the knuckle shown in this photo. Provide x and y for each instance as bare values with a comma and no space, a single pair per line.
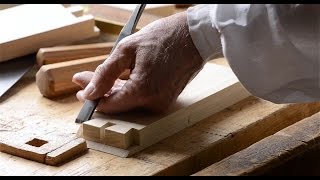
100,70
125,45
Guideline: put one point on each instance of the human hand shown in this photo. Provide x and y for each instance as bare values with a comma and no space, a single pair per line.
162,59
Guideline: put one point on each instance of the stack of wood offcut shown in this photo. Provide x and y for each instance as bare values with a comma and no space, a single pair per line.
27,28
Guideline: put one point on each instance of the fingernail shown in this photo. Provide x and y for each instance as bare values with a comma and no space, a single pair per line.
76,75
88,90
80,96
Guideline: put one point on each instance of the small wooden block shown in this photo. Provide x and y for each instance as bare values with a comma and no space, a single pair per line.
68,151
43,147
19,146
94,129
119,136
58,54
56,79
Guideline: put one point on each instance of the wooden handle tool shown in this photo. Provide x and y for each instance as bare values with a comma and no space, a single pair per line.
53,55
89,106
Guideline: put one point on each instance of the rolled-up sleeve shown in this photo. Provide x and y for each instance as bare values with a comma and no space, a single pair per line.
203,32
272,49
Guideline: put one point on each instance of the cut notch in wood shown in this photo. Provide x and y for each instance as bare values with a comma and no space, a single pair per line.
52,149
37,142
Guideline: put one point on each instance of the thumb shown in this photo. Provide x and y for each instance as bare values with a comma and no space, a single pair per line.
106,73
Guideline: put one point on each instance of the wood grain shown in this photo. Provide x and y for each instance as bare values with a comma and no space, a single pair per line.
270,152
57,54
56,79
28,29
132,132
42,146
66,152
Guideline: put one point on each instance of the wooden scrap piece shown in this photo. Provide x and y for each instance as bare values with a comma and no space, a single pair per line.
66,152
271,151
27,29
56,79
47,148
18,146
58,54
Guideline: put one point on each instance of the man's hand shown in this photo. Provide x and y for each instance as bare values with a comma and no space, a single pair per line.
162,58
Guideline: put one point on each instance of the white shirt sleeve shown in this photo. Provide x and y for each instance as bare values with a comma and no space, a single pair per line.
273,49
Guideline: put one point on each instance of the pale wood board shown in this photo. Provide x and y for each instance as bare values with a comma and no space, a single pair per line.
270,152
43,146
184,153
212,90
57,54
29,27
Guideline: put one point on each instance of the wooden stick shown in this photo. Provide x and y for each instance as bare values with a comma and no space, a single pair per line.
66,53
56,79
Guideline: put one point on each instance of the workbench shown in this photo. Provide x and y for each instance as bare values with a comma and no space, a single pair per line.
182,154
185,153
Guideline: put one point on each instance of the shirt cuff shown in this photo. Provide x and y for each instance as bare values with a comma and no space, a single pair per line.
203,32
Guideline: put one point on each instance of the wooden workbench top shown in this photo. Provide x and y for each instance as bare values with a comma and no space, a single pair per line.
185,153
182,154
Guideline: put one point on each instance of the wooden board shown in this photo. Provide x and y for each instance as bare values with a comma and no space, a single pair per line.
305,164
57,54
271,151
156,9
184,153
111,20
212,90
44,145
30,27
